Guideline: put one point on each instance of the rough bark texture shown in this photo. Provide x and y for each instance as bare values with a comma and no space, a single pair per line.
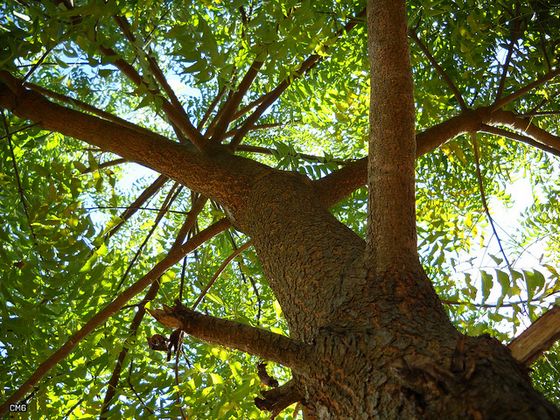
392,147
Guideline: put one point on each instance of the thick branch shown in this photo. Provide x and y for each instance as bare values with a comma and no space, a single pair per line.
98,319
217,175
277,399
391,237
525,125
538,338
265,344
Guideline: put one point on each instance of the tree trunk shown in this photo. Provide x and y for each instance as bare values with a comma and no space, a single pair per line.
383,346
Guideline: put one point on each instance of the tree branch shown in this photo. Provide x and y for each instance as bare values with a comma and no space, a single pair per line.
304,156
225,117
217,175
268,99
221,268
500,103
538,338
277,399
211,108
104,165
150,295
515,35
18,179
232,334
174,110
339,184
525,126
98,319
518,137
136,321
484,201
138,203
167,202
439,70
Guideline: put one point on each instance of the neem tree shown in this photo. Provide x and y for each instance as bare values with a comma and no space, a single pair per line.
233,104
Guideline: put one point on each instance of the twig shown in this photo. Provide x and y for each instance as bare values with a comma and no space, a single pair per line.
104,165
137,204
483,199
176,372
169,199
440,70
211,107
138,397
222,267
268,99
18,178
515,35
38,63
136,321
67,415
19,130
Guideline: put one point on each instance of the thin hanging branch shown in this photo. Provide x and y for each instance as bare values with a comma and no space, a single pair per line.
136,321
514,37
484,201
149,192
222,267
174,256
443,74
104,165
138,397
18,178
169,199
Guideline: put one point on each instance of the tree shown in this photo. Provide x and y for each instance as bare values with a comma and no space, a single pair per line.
368,334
